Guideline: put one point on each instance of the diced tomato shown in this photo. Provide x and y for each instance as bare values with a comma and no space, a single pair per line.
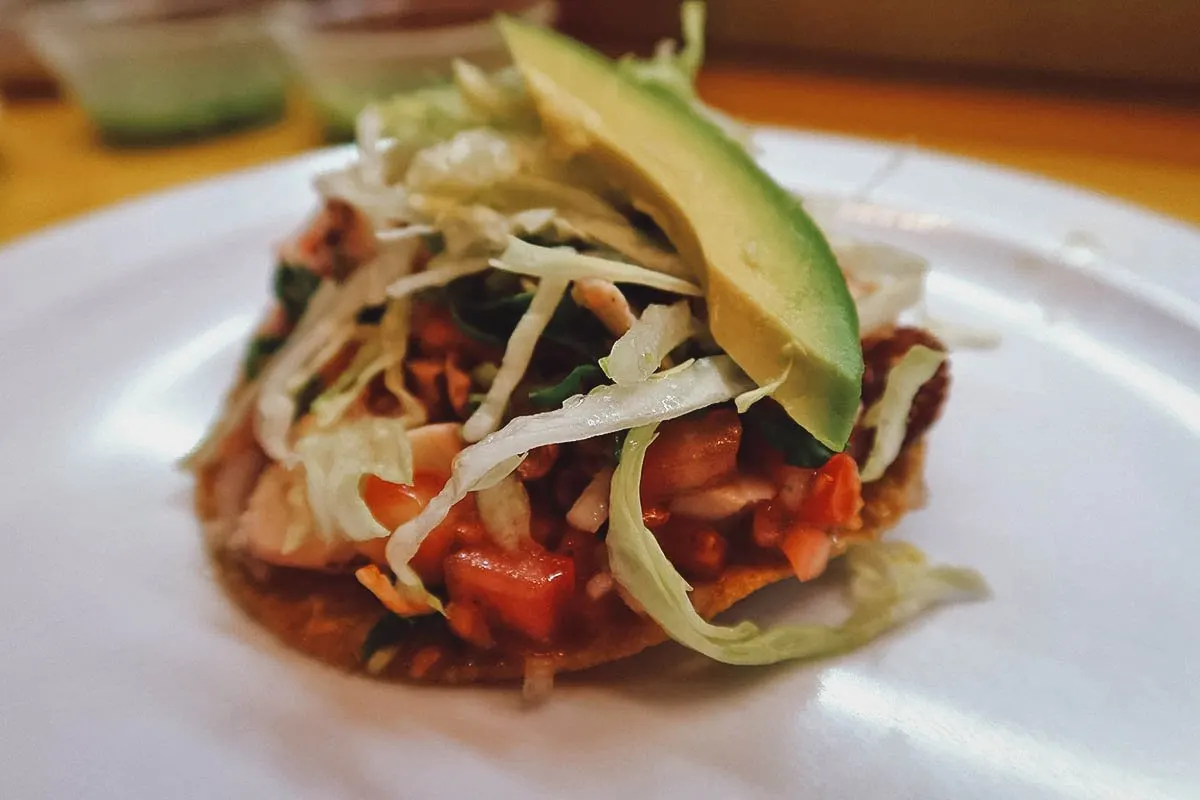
460,527
438,335
425,375
468,622
808,551
835,495
394,504
435,331
830,497
694,547
691,452
526,591
432,554
458,385
655,516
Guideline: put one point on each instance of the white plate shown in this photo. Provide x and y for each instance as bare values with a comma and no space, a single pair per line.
1066,469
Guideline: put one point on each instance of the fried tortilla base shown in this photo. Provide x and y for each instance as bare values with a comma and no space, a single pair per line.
328,616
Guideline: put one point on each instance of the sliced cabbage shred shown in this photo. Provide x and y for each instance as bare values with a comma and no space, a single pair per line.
608,409
676,72
889,415
890,584
516,359
641,350
524,258
505,512
745,400
336,461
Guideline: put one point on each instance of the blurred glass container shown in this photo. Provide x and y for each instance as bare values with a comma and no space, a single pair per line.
154,71
350,52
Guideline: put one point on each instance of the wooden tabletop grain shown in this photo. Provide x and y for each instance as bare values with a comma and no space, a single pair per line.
52,168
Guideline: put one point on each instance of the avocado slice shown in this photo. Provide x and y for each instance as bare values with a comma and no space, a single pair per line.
774,291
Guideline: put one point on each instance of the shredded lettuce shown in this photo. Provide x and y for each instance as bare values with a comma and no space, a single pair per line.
467,230
384,205
744,401
553,204
567,190
505,512
498,97
336,461
467,162
885,281
419,118
516,359
889,415
438,273
332,403
884,302
890,584
676,72
623,238
368,136
383,347
640,352
605,410
673,71
565,262
393,337
327,324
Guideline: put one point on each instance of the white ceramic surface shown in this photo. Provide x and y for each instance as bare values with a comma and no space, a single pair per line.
1065,468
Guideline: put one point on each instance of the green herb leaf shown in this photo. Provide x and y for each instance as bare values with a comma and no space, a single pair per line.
483,316
371,315
799,447
308,395
295,286
434,242
390,630
261,348
554,396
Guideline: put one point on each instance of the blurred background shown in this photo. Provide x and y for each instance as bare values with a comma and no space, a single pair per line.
106,99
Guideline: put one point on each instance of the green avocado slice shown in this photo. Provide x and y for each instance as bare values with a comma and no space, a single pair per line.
775,294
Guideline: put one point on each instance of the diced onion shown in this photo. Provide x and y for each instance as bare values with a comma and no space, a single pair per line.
505,512
539,678
590,509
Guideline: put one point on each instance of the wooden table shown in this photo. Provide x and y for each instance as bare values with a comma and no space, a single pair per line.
52,169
